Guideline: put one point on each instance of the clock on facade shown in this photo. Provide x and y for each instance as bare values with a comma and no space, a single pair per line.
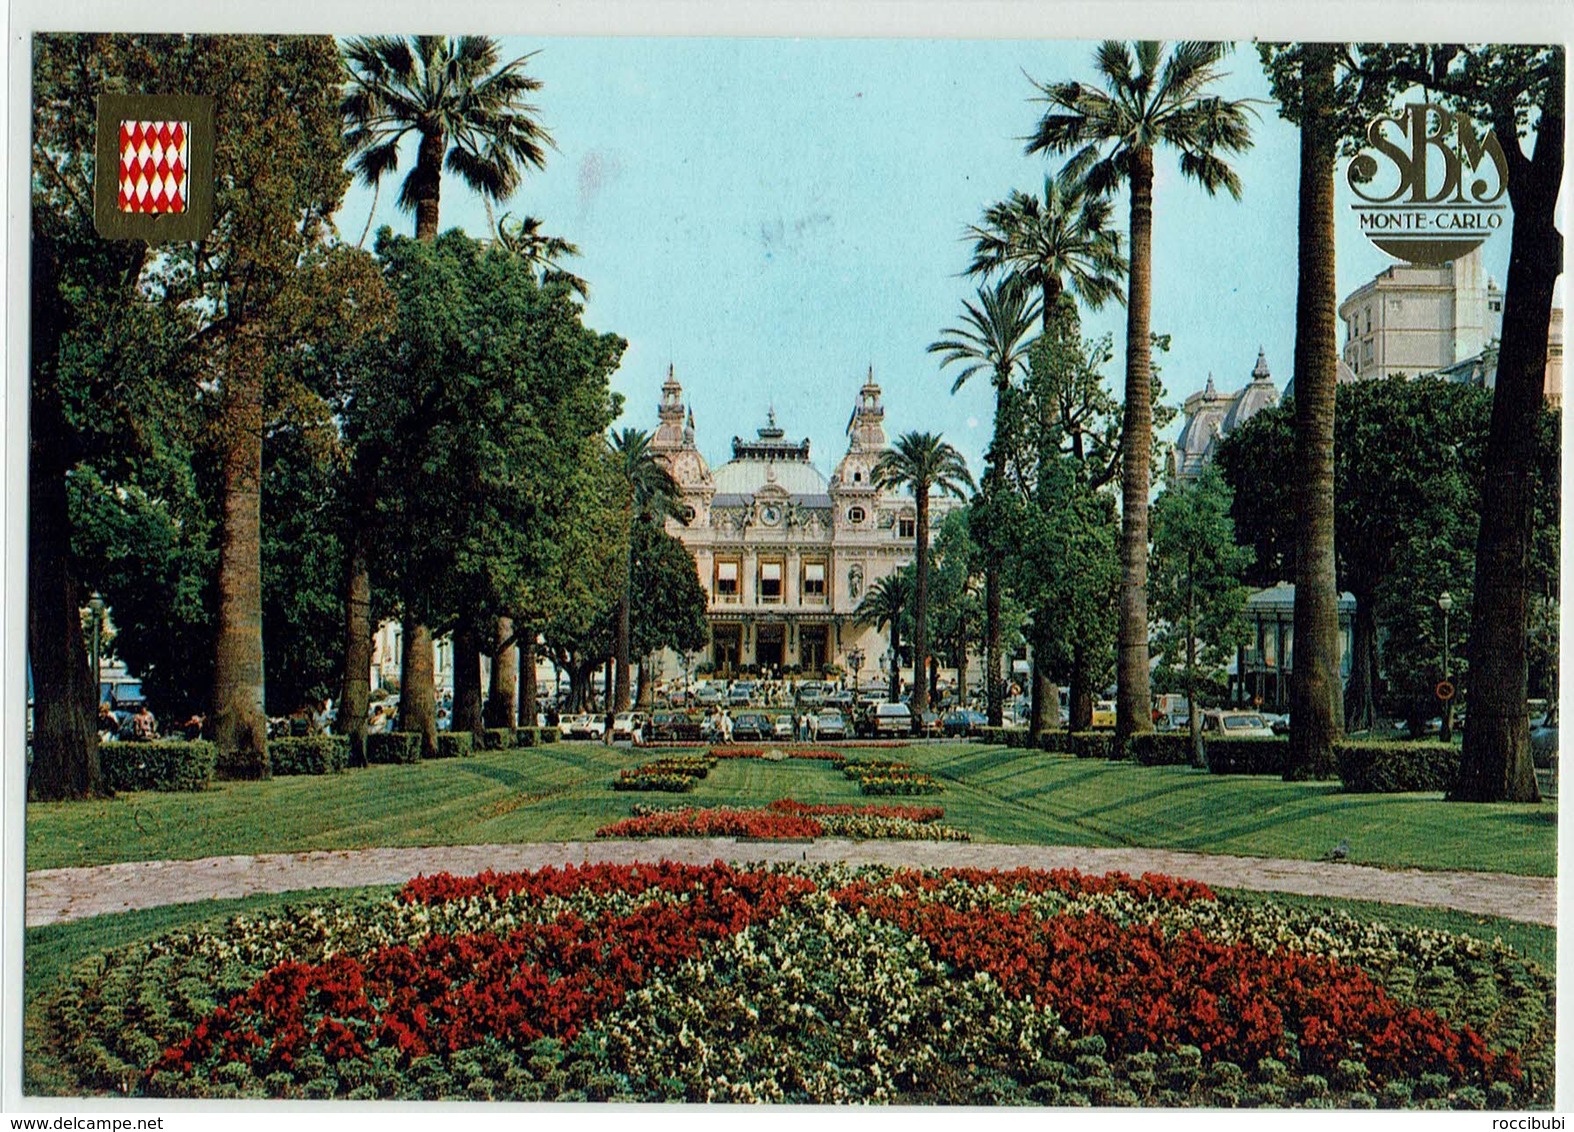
770,514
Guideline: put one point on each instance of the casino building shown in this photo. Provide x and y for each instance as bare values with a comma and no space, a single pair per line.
784,554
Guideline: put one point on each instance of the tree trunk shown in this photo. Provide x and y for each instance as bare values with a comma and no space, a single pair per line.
240,723
1133,700
896,658
427,185
619,693
1495,764
504,690
647,682
1079,713
417,690
993,681
1193,721
355,687
1360,699
467,715
959,656
1316,699
921,603
1035,699
527,679
65,692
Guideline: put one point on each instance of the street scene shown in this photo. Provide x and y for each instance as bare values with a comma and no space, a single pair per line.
793,571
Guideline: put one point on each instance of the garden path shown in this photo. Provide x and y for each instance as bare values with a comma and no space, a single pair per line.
58,895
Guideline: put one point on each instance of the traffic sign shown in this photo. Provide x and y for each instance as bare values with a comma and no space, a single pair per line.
1445,690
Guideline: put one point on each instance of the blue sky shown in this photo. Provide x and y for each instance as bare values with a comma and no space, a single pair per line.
774,216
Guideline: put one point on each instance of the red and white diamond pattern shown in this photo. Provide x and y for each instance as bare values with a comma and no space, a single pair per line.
154,157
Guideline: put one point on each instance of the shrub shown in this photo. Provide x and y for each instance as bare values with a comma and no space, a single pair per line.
1055,742
157,766
1156,748
454,744
549,734
495,738
393,747
527,737
1246,756
1092,744
1394,768
313,754
999,736
241,764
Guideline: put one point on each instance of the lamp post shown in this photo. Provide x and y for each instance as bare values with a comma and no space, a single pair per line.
896,676
95,606
1445,602
855,658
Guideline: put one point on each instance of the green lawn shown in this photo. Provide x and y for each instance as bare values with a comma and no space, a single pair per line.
561,792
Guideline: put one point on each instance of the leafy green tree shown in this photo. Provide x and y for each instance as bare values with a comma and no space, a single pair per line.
922,463
1147,102
650,496
468,113
492,391
1199,600
668,607
992,339
956,603
1519,90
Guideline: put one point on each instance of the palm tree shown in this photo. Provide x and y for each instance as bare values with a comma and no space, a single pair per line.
886,603
1112,133
650,495
992,339
468,114
1051,241
922,462
542,252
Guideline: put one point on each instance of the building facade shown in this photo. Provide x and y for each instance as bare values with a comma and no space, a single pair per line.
1210,416
784,553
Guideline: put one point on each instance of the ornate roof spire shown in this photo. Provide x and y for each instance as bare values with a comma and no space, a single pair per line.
1260,370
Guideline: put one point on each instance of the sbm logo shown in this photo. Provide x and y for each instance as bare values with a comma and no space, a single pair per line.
1430,186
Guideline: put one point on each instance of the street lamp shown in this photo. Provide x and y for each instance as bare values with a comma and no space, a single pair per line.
855,658
1445,602
95,605
896,676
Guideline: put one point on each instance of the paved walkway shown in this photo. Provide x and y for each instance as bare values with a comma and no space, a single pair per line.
58,895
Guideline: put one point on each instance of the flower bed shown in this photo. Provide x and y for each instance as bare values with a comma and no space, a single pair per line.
885,776
674,774
822,753
786,819
812,984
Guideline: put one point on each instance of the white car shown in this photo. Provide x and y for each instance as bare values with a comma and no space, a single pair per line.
1236,725
584,726
893,719
629,725
782,728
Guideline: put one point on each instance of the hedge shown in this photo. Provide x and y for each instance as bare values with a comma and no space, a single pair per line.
1055,742
1093,744
999,736
454,744
1161,748
393,747
526,737
313,754
157,766
495,738
1228,755
241,764
1396,768
548,734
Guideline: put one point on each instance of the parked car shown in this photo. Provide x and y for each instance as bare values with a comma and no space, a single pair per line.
1544,740
964,721
741,694
781,727
830,724
1236,724
584,726
709,696
893,719
812,693
1103,716
752,725
629,725
842,700
931,724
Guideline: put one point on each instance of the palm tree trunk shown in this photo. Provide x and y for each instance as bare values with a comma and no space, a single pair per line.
1495,763
620,690
647,682
1079,713
1316,699
1360,702
355,687
504,690
527,678
240,723
1133,700
896,658
921,603
428,185
417,691
993,707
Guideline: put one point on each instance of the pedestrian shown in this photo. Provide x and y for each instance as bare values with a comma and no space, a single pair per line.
143,725
611,721
813,722
726,727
